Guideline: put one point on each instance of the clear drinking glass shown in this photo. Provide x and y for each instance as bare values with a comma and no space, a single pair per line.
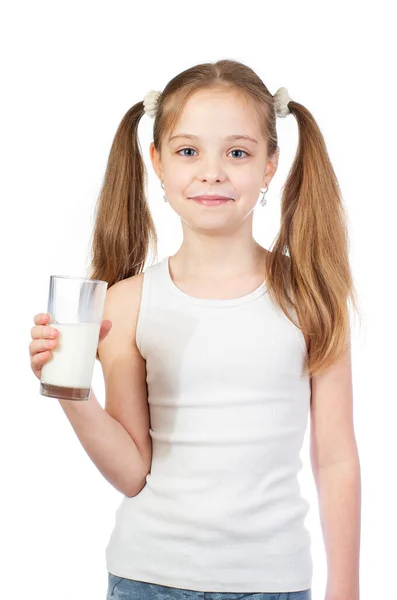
76,308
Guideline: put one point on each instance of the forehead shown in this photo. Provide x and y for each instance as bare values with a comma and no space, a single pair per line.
218,112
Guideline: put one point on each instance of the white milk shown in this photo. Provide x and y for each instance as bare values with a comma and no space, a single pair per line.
73,358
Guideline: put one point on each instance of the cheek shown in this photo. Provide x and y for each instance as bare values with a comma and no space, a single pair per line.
248,184
178,180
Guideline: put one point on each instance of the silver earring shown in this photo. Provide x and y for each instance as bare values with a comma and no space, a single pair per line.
263,192
165,197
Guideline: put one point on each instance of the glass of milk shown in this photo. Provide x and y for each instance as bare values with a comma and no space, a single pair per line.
76,308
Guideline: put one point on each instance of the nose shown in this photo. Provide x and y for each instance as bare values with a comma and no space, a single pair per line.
212,170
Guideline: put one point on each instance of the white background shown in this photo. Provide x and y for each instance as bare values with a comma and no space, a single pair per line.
70,71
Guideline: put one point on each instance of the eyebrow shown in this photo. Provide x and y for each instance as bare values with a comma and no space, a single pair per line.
229,137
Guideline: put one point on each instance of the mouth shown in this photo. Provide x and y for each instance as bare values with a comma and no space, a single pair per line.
211,200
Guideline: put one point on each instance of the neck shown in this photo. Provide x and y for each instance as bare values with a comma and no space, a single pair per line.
217,261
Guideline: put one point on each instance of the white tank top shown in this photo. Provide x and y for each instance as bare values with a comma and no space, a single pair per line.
229,400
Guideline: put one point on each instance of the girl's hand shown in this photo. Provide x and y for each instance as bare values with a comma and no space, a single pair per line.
44,340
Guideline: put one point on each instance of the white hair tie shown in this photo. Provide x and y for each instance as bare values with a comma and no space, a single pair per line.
281,99
150,102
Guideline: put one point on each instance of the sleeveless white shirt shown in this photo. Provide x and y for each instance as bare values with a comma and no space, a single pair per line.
229,401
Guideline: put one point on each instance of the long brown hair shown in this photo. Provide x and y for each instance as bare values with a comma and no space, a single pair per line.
315,280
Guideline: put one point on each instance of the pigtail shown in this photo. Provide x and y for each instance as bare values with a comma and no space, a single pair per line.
314,229
124,228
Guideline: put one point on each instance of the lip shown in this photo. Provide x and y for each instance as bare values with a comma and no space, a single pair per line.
211,200
211,197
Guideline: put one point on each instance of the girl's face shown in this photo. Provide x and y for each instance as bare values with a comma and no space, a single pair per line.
214,160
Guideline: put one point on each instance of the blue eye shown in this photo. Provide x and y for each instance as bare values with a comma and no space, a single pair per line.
189,155
183,150
240,151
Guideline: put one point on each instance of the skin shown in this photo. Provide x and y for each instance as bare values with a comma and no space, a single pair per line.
218,245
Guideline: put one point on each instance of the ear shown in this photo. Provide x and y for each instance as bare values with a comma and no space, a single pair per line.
156,161
272,166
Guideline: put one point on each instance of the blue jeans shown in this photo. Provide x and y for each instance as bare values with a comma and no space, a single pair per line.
120,588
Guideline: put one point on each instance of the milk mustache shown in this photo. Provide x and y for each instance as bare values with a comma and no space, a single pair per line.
68,373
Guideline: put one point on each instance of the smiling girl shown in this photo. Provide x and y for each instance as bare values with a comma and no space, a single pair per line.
218,355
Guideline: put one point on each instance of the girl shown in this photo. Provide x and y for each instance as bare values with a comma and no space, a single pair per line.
216,355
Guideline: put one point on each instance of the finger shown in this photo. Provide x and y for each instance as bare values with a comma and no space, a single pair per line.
41,318
41,345
43,331
105,328
38,360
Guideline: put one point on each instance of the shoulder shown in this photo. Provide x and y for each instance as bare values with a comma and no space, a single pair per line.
122,290
127,292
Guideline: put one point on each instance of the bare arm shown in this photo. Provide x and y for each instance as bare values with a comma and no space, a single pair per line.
339,492
336,469
117,438
108,444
